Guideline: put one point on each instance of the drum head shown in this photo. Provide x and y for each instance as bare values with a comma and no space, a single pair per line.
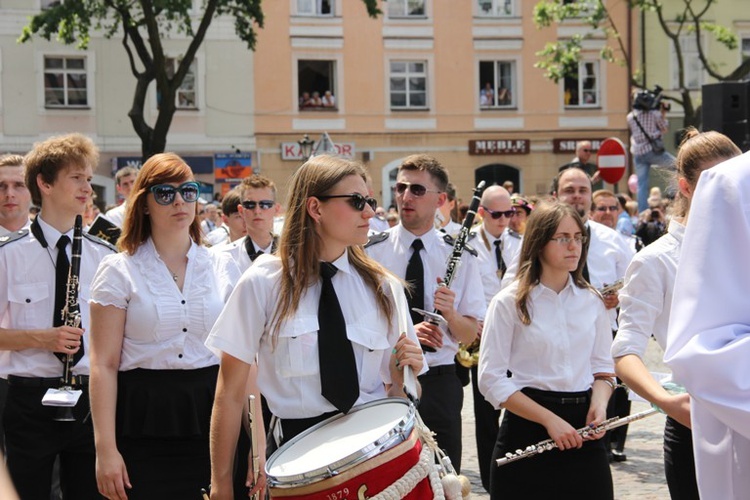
341,442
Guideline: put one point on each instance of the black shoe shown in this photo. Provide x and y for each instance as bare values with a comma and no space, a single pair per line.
619,456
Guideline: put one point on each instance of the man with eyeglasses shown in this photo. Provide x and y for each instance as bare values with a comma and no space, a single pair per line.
606,263
415,251
258,208
606,209
582,160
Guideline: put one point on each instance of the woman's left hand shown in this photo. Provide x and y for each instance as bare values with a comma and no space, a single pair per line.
595,417
405,352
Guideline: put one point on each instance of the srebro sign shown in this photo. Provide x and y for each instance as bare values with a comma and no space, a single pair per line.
293,151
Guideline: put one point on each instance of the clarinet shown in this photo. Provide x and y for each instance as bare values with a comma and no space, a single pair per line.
584,432
455,258
71,313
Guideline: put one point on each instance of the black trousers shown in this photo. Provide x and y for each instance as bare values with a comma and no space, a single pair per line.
579,473
440,408
487,425
34,439
679,462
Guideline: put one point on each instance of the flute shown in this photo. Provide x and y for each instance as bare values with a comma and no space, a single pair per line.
614,287
584,432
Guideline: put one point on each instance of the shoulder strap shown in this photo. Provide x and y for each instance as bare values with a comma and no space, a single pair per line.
14,236
99,241
376,238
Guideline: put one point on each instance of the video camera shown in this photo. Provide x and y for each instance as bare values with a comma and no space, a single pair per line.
647,100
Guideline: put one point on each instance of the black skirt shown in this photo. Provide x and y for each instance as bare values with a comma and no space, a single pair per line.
163,422
578,473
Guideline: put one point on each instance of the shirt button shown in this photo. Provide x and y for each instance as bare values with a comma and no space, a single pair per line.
184,329
179,356
183,302
28,301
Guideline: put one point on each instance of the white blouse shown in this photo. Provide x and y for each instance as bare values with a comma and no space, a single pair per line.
165,328
646,298
289,373
567,342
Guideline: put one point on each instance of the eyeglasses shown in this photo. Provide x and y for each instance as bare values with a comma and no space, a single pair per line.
496,214
357,200
611,208
415,189
164,194
263,204
564,241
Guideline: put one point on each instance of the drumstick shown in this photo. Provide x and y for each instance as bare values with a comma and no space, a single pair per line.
253,439
410,382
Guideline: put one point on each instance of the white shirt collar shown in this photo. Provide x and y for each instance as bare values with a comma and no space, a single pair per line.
50,233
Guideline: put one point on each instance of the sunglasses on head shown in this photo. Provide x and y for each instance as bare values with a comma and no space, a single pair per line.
164,194
496,214
415,189
263,204
357,200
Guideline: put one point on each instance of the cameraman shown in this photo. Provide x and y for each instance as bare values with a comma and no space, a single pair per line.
648,124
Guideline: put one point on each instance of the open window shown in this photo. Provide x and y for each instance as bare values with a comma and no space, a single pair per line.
316,84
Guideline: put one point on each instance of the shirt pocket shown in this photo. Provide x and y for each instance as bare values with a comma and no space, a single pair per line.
298,347
373,344
29,305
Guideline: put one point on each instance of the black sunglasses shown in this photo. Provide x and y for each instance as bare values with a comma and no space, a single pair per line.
496,214
164,194
263,204
357,200
415,189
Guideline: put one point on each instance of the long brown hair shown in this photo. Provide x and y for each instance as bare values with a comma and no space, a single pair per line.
696,150
159,169
300,245
540,229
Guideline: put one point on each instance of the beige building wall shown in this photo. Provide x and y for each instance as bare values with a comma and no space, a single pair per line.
452,38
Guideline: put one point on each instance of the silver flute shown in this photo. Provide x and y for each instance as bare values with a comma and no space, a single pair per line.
584,432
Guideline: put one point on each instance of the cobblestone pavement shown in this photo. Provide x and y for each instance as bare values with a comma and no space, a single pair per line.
640,477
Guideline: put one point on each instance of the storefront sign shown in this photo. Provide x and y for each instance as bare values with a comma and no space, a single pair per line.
565,146
292,151
500,147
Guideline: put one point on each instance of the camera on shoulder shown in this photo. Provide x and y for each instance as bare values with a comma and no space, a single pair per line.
646,100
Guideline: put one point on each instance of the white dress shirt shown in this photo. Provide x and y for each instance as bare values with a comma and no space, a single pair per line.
394,253
708,343
484,243
236,249
289,372
218,236
165,328
646,298
4,231
117,215
27,297
567,342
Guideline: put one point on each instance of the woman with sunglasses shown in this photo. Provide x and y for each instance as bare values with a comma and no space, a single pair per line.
646,306
152,306
274,314
550,329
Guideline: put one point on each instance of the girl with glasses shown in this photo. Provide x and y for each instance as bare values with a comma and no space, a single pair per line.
274,316
550,330
152,378
646,306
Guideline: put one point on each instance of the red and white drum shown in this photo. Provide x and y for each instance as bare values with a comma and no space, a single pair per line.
350,457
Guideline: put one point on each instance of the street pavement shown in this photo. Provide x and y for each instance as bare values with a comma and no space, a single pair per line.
640,477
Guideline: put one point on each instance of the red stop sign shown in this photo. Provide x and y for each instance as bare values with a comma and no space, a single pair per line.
612,160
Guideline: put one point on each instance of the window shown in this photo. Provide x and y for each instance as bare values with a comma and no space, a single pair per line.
406,8
408,85
65,82
497,80
48,4
495,8
745,48
582,89
186,96
316,83
315,7
693,68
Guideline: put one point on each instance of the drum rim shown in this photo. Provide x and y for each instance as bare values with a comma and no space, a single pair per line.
393,437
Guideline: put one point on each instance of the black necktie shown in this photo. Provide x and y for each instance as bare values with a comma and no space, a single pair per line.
250,248
339,380
586,264
62,269
501,267
415,277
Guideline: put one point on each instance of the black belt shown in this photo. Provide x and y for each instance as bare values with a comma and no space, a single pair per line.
440,370
560,398
48,382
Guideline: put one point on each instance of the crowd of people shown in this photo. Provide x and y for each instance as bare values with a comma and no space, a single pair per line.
200,304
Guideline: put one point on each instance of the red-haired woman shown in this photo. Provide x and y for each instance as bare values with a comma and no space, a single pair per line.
152,306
